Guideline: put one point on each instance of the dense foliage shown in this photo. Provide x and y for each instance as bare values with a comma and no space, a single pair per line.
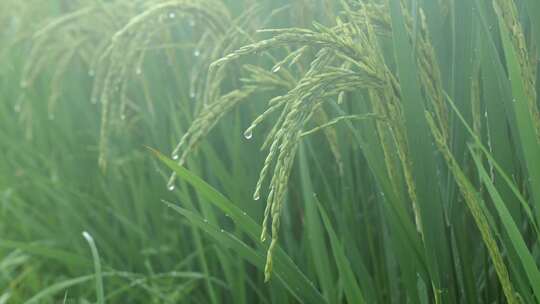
310,151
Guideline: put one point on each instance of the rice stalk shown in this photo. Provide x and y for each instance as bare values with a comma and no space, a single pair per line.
472,200
508,11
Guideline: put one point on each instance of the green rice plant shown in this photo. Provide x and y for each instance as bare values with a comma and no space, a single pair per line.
395,145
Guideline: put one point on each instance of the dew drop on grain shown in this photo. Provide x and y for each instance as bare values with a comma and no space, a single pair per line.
248,134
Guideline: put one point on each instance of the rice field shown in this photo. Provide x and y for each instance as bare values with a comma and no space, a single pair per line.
241,151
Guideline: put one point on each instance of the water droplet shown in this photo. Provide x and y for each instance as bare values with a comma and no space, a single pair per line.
170,187
196,53
138,71
191,22
513,100
123,116
244,213
172,15
222,230
17,108
205,220
192,94
91,73
248,134
276,69
24,84
175,156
